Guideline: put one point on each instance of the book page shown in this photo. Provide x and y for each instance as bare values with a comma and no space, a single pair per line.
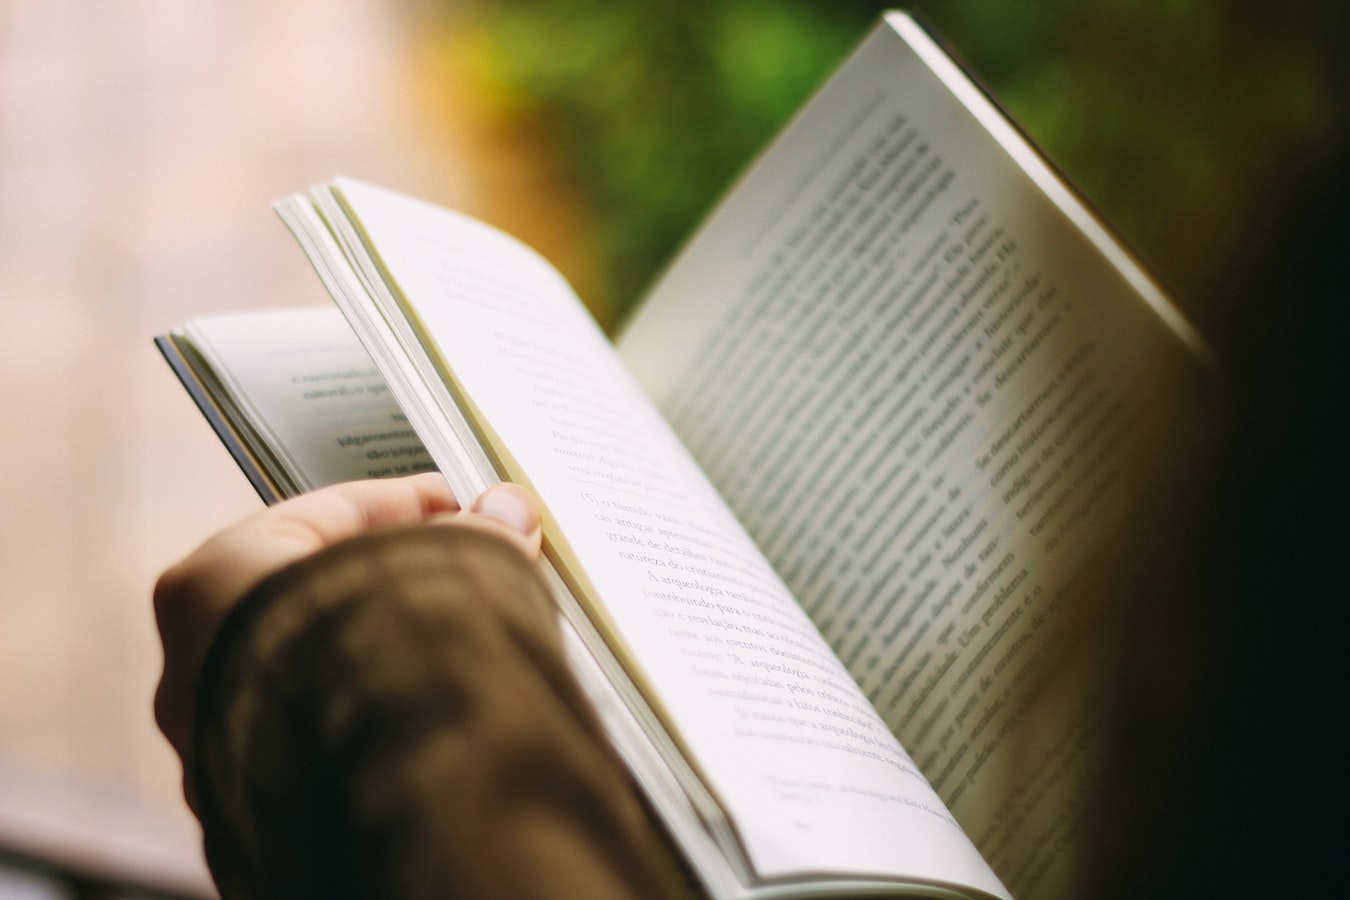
811,779
302,391
916,370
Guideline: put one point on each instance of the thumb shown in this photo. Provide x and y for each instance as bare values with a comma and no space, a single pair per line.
508,510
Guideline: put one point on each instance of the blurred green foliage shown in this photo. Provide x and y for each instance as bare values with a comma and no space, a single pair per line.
1177,117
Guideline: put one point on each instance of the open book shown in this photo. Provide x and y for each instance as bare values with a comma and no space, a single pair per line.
815,519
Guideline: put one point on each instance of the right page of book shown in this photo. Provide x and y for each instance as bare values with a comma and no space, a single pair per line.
917,367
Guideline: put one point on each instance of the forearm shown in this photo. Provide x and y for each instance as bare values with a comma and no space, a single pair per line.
394,718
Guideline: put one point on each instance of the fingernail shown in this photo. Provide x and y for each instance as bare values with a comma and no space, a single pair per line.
510,504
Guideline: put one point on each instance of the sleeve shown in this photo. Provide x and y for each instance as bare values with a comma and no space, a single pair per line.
394,718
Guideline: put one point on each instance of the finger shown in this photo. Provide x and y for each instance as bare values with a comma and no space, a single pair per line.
231,562
506,510
511,505
514,507
345,510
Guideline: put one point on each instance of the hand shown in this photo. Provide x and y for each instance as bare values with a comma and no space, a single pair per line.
193,597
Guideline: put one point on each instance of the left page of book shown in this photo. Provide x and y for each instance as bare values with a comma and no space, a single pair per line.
300,392
666,571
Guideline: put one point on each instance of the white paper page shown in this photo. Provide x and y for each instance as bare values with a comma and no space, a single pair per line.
913,368
304,381
813,780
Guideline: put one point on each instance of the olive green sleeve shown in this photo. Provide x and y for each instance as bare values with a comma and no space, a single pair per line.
394,718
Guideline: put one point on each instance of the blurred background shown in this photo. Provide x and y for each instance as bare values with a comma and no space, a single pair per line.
141,142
